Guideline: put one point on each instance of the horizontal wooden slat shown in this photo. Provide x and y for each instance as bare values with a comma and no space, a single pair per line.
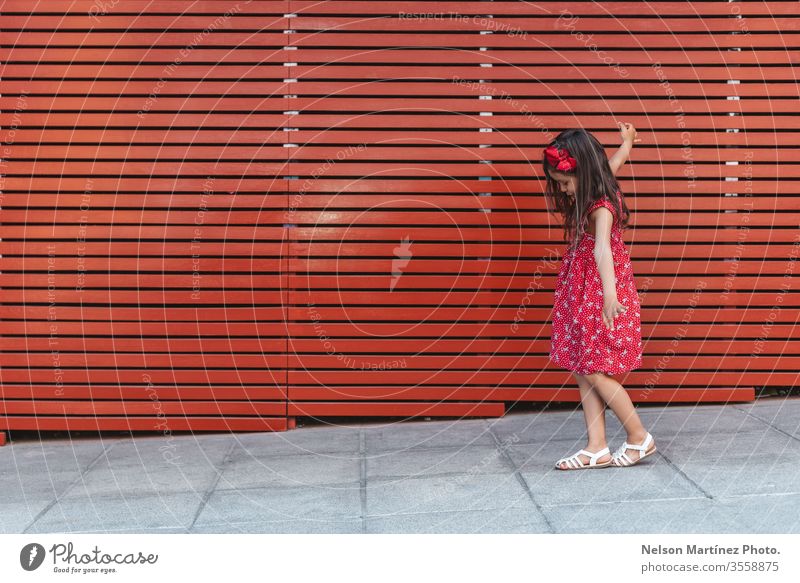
530,55
347,121
667,156
347,409
195,375
367,348
607,9
479,322
696,40
394,136
137,408
703,105
143,423
132,7
682,239
146,392
520,394
416,364
499,71
398,22
137,7
522,378
148,358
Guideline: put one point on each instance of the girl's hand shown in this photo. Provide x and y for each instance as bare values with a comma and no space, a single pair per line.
628,133
611,309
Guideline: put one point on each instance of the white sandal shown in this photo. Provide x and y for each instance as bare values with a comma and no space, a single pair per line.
621,459
574,462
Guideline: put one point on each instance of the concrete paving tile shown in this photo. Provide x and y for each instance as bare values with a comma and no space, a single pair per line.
309,526
771,404
652,479
783,417
153,466
767,514
47,486
691,515
118,512
36,458
176,451
766,475
434,461
305,440
445,493
153,480
540,457
164,530
540,427
15,516
281,504
788,422
734,448
245,471
501,521
427,434
693,421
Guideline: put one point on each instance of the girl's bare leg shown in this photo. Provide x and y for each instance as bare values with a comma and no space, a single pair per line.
594,413
620,402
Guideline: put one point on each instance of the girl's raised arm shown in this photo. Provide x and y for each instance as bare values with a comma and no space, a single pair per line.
628,133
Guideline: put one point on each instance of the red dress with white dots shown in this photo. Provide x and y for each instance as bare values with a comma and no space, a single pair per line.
580,341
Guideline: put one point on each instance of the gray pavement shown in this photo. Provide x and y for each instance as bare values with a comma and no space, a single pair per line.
719,469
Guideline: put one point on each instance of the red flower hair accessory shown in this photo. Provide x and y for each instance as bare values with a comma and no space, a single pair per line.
561,159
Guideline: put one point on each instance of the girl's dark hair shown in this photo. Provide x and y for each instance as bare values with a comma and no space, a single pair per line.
594,179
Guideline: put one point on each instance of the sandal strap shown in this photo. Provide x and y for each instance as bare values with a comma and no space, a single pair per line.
645,443
574,461
643,447
621,455
623,459
593,457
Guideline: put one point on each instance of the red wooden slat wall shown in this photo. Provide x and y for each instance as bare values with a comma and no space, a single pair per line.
227,214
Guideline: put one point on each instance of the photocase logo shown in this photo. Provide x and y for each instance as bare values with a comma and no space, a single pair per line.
402,256
31,556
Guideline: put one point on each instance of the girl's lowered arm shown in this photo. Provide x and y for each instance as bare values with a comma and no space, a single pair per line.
602,252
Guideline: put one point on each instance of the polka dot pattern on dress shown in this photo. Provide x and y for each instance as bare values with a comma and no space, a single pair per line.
580,341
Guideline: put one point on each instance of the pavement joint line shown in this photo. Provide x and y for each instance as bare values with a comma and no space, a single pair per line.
757,495
217,525
432,448
351,453
244,449
767,423
148,530
331,454
362,478
345,518
451,511
281,486
234,525
685,476
403,478
72,484
207,495
520,478
625,501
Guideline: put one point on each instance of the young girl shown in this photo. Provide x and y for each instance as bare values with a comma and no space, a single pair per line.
596,313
